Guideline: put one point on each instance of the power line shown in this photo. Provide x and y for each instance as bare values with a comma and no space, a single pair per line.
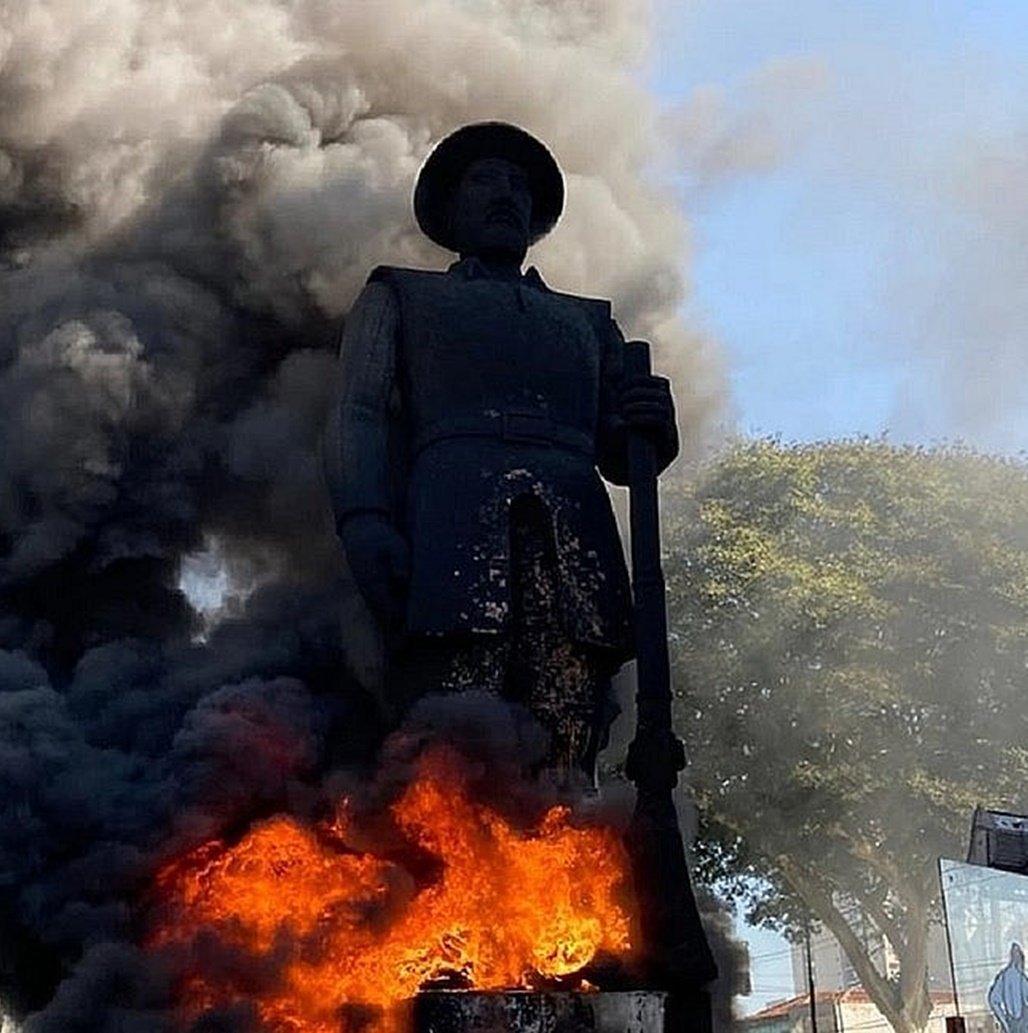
772,954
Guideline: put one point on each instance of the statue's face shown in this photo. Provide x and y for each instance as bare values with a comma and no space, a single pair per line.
492,209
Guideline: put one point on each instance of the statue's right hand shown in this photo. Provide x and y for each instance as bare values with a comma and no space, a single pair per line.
379,560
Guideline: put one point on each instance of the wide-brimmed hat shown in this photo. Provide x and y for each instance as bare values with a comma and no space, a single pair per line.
444,167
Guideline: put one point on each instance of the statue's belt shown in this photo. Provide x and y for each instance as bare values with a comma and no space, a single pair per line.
521,428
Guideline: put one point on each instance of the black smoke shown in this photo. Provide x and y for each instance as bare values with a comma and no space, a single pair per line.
191,195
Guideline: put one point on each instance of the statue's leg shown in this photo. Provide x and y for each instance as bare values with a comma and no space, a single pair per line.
571,695
566,685
452,688
429,665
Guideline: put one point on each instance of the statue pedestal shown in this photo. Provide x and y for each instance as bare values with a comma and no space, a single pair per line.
525,1011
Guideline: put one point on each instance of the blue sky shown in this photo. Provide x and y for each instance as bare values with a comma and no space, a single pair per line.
858,188
856,175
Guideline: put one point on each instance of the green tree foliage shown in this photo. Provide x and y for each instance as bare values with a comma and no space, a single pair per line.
850,644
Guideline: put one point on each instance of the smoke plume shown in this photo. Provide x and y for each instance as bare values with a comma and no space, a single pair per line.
191,195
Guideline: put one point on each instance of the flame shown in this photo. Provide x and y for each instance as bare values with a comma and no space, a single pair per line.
348,937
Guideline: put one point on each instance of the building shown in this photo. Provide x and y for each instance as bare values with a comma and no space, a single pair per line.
839,1011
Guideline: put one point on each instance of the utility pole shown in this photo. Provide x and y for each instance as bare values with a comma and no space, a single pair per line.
811,994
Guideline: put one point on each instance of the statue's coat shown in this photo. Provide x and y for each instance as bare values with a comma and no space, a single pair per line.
501,388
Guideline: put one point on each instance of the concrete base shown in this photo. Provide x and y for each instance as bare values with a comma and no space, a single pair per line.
524,1011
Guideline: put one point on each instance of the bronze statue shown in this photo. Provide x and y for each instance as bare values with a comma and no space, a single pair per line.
478,411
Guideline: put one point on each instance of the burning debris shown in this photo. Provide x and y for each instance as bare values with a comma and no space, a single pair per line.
454,894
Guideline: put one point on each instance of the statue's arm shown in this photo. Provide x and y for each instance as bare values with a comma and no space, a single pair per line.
651,394
611,431
357,455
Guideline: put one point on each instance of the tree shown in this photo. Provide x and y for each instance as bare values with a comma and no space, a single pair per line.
849,632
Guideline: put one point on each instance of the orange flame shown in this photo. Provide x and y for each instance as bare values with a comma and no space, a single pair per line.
350,936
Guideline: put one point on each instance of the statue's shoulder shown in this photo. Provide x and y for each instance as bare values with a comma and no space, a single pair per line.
596,310
398,276
594,307
412,283
598,307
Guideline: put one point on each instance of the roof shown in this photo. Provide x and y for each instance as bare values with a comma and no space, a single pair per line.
854,995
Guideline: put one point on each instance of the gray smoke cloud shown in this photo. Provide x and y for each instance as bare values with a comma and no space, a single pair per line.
191,195
965,312
717,135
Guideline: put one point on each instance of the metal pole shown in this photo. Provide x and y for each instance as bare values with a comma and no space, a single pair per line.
811,993
949,938
675,949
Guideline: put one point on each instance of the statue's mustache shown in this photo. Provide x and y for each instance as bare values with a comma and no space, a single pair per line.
505,213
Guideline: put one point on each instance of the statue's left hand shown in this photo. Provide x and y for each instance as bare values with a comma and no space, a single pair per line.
379,560
645,404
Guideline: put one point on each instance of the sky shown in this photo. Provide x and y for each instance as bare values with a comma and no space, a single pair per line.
856,179
855,175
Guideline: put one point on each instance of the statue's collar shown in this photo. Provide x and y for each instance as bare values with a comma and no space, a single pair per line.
471,268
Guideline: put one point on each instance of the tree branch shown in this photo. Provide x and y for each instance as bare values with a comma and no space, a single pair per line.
904,1014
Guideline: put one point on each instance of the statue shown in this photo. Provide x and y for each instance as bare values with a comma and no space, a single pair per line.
478,411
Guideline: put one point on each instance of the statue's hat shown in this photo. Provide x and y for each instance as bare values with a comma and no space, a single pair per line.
446,164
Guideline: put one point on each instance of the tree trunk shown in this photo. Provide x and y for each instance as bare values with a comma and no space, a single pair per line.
905,1003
